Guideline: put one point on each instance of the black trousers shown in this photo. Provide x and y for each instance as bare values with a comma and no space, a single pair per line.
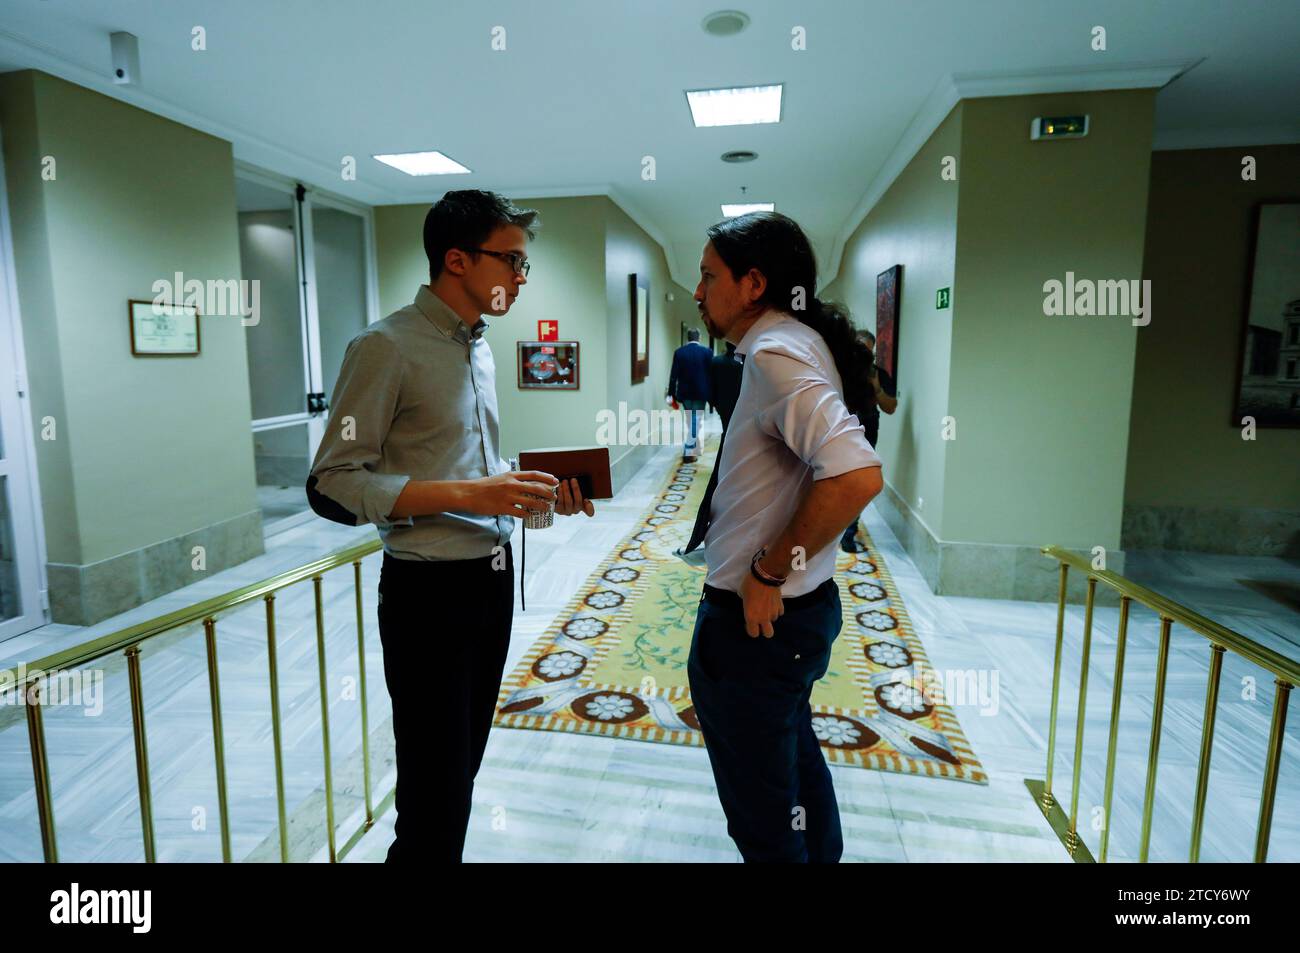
752,699
445,629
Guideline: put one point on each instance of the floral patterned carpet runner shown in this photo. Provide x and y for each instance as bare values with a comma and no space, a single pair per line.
614,661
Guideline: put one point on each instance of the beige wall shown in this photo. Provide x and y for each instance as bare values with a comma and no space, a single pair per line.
629,250
161,445
1184,448
580,259
914,224
1042,403
399,255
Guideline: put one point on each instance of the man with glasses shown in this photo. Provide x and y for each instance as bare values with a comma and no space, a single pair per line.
412,445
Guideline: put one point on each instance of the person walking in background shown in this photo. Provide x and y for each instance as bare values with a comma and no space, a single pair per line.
725,375
688,385
724,380
795,466
884,397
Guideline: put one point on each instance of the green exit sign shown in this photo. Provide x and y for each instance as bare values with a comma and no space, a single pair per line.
942,298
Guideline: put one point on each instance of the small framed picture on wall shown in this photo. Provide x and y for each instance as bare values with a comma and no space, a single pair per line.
548,365
163,330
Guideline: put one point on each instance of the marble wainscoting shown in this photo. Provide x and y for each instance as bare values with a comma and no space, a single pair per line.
1232,530
988,570
85,594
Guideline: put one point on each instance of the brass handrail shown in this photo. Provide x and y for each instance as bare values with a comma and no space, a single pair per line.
1286,673
26,678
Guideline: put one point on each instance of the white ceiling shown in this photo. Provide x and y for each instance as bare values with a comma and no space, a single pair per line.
586,88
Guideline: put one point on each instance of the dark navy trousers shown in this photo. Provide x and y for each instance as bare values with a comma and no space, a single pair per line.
751,697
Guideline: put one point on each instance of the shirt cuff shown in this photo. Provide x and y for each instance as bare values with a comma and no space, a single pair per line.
379,496
848,452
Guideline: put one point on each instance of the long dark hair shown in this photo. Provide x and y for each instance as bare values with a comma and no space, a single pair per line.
776,246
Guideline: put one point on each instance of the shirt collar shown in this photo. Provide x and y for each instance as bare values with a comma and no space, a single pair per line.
445,319
766,320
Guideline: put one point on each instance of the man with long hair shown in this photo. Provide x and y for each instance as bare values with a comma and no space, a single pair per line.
795,467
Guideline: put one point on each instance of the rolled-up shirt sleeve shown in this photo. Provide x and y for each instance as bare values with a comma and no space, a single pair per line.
344,479
804,410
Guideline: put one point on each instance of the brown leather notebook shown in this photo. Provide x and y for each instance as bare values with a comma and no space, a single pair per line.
590,465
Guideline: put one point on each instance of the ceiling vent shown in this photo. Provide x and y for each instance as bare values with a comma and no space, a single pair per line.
725,23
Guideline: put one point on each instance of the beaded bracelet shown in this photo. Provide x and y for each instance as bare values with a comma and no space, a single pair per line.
760,574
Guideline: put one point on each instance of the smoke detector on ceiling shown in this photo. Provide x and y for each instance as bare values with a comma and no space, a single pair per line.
725,23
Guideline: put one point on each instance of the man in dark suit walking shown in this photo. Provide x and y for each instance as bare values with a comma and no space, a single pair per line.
724,379
688,385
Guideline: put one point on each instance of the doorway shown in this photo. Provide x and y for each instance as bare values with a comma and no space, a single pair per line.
24,600
312,255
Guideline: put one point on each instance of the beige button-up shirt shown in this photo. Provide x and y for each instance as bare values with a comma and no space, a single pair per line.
417,396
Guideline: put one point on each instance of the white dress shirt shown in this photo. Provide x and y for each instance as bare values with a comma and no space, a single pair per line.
790,428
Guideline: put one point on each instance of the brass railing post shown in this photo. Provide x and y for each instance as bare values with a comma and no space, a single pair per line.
218,738
1276,732
129,640
1048,799
1285,669
269,600
1072,838
1153,754
141,750
40,768
1116,695
324,715
365,712
1207,748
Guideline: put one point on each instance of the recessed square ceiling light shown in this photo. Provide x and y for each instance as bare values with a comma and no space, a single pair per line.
738,106
731,211
423,163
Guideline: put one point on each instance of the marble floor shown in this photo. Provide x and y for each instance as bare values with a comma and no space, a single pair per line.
280,502
552,796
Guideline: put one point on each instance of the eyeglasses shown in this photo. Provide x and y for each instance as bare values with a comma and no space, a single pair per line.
515,260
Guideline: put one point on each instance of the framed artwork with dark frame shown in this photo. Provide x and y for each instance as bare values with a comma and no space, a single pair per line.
163,330
1268,364
888,286
548,365
639,292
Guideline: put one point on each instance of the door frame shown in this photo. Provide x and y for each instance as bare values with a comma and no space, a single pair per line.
20,444
309,314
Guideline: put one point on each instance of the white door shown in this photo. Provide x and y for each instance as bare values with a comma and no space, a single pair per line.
23,604
313,258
